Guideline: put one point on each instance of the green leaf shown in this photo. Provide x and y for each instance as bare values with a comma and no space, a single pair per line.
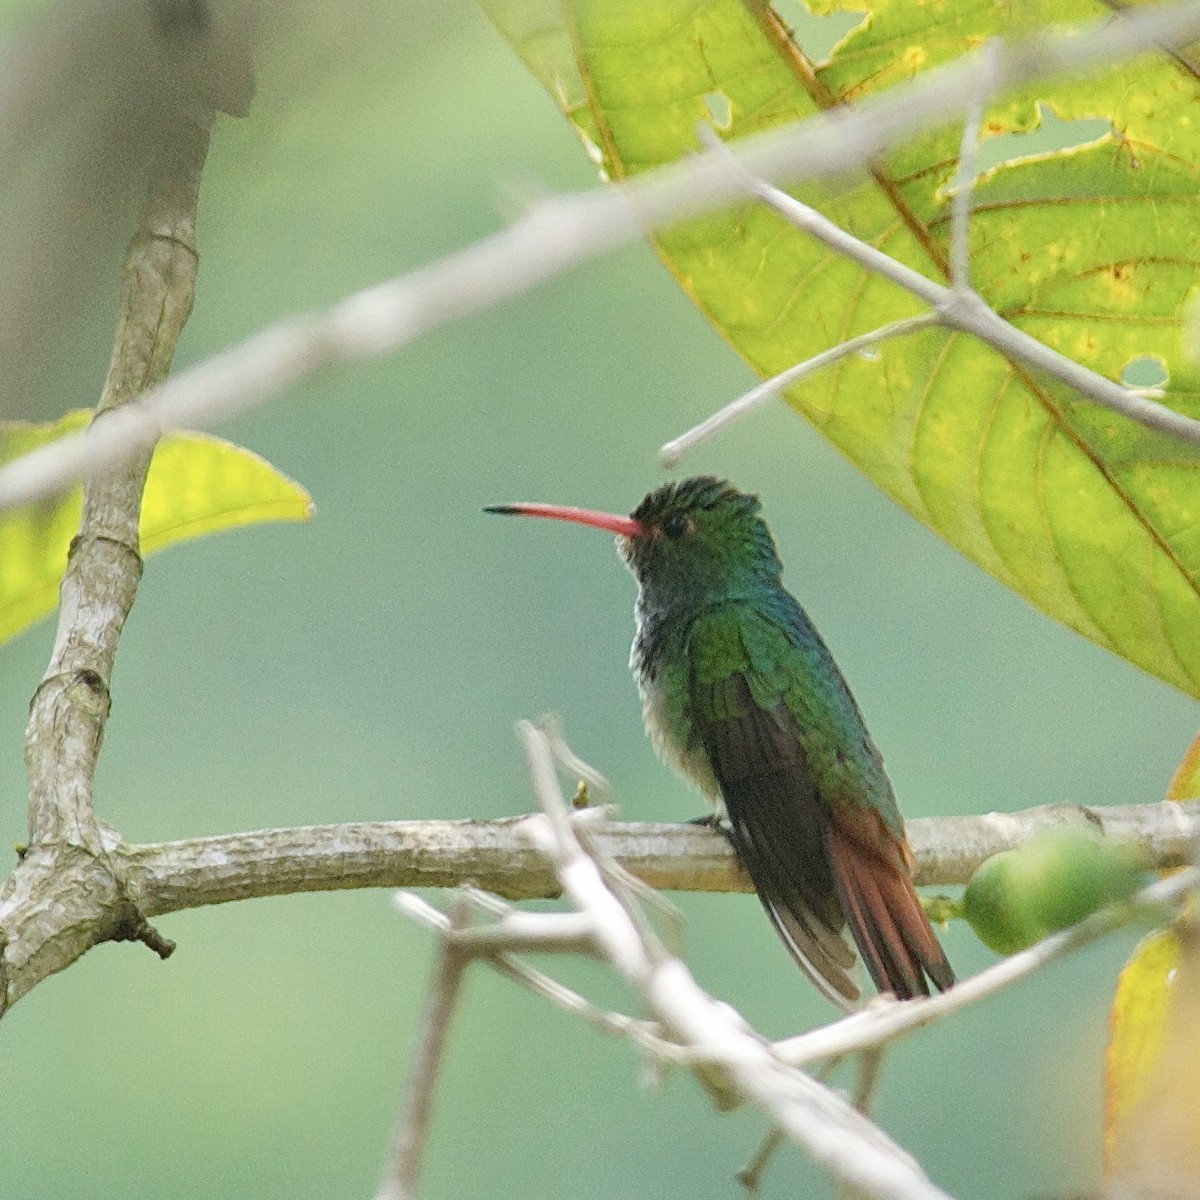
1092,249
196,485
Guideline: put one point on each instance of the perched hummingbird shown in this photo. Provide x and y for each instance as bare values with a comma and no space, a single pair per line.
740,693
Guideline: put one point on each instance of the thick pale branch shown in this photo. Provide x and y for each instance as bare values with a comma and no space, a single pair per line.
70,707
67,894
493,855
949,849
559,234
47,923
489,854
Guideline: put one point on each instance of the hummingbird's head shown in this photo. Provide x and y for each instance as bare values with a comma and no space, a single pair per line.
701,539
697,540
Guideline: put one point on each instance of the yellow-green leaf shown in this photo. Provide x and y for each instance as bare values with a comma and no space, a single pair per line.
1185,783
197,484
1152,1069
1138,1025
1094,250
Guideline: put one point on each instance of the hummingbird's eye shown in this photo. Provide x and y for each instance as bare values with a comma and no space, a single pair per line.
676,525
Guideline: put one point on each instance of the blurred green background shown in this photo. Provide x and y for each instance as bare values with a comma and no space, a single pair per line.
371,665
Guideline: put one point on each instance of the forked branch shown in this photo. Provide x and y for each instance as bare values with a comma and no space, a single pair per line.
732,1062
730,1058
956,306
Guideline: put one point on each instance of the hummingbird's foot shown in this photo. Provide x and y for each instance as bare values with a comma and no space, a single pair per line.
718,824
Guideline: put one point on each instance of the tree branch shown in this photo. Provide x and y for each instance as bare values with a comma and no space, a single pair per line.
68,893
412,1129
171,876
672,452
645,1034
889,1020
104,564
558,234
956,307
48,921
729,1058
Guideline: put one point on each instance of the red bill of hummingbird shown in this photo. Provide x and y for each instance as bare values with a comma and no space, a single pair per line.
740,693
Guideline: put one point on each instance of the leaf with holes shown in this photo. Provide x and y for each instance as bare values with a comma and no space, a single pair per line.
196,485
1084,236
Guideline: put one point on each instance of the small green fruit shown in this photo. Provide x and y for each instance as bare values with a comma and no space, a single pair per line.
1020,896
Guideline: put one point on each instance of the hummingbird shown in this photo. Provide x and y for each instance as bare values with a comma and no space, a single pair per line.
742,696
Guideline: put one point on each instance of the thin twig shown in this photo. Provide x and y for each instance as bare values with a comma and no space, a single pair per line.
967,312
571,761
750,1176
870,1075
886,1020
412,1131
630,890
645,1034
546,933
672,452
963,193
559,234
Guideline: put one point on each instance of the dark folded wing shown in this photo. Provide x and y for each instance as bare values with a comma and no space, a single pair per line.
816,867
779,826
